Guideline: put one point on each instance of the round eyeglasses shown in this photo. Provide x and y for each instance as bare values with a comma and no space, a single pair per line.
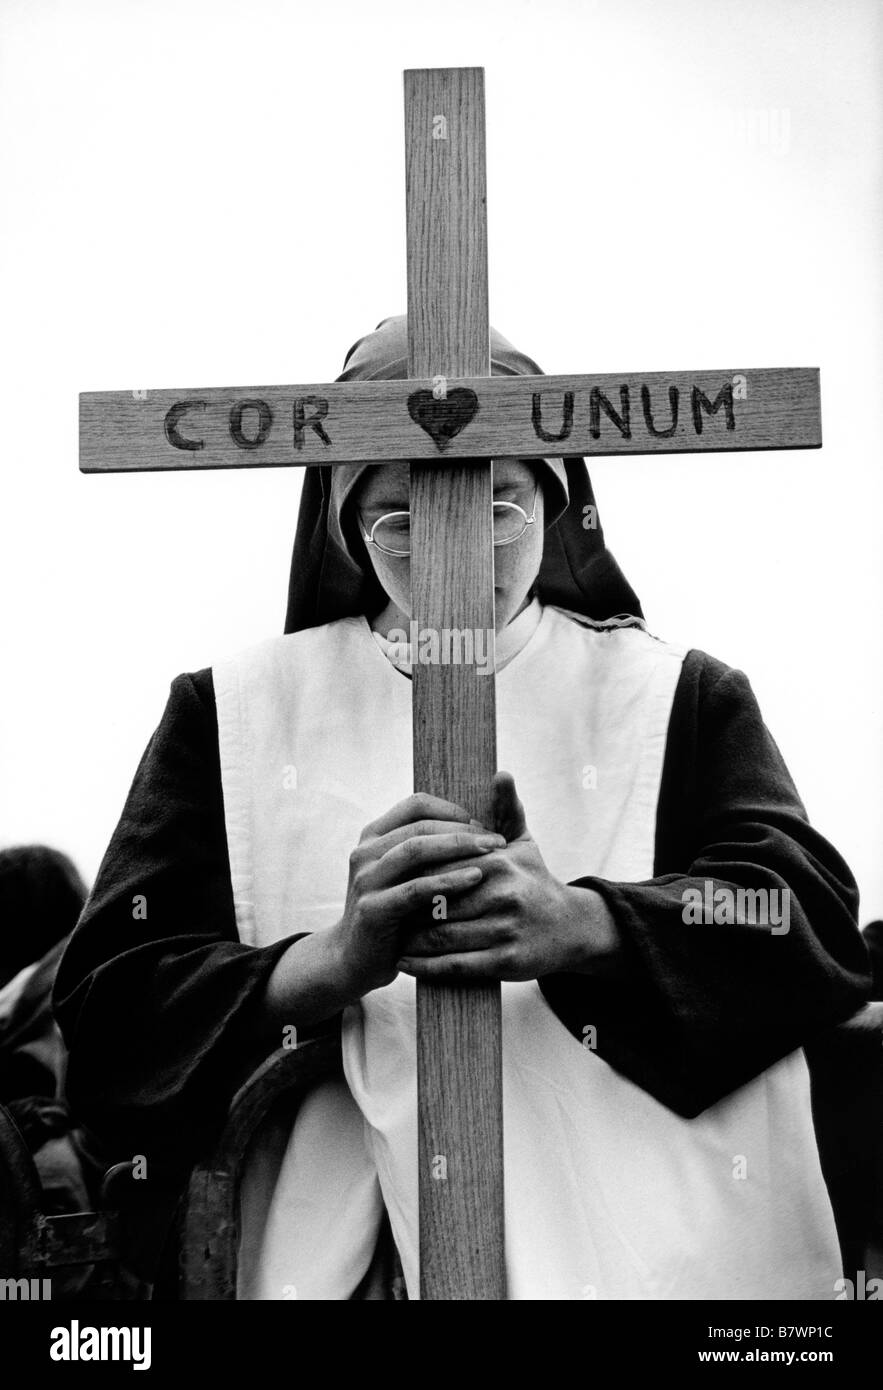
391,533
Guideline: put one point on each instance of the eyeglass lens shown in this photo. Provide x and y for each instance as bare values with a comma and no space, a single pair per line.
394,532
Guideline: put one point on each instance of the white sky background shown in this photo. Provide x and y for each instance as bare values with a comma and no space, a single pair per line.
200,194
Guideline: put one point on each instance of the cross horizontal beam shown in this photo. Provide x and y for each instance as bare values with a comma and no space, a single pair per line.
430,420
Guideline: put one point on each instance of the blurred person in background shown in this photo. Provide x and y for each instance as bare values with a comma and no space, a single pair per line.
41,896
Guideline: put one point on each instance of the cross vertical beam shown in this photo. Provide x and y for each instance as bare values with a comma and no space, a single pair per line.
459,1073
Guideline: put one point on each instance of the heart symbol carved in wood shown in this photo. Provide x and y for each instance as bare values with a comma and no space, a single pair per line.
443,419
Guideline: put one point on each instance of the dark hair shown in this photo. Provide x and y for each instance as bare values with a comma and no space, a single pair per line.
41,896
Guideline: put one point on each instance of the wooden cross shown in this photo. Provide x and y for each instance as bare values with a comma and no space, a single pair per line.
451,418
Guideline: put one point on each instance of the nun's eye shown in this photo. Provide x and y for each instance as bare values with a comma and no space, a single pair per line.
392,533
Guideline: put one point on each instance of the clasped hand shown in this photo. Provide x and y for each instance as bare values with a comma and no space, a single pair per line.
436,895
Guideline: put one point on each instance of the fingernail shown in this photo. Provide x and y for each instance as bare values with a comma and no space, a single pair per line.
488,842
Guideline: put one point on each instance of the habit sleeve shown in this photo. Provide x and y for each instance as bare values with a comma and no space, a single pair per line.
701,1009
156,997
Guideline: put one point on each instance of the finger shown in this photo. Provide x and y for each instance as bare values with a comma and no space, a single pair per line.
456,938
476,965
426,828
412,857
415,895
419,806
509,817
473,902
489,897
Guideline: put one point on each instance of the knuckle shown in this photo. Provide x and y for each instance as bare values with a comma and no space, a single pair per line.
508,957
363,911
361,878
410,851
437,939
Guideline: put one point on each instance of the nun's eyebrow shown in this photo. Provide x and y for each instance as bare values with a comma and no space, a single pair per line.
387,504
400,502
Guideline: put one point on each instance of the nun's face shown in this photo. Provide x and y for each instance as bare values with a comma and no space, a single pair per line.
516,565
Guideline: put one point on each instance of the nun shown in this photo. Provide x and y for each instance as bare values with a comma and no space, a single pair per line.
658,1133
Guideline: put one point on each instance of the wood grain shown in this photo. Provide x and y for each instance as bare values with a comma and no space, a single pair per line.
514,417
459,1071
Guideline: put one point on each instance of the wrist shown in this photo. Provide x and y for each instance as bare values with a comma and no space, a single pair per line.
353,976
594,936
341,968
311,982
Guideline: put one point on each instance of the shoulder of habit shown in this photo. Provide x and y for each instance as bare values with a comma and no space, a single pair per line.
704,1013
157,1008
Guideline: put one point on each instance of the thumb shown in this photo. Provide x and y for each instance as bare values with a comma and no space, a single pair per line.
509,819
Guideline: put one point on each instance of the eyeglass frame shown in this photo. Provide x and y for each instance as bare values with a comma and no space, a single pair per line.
403,554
